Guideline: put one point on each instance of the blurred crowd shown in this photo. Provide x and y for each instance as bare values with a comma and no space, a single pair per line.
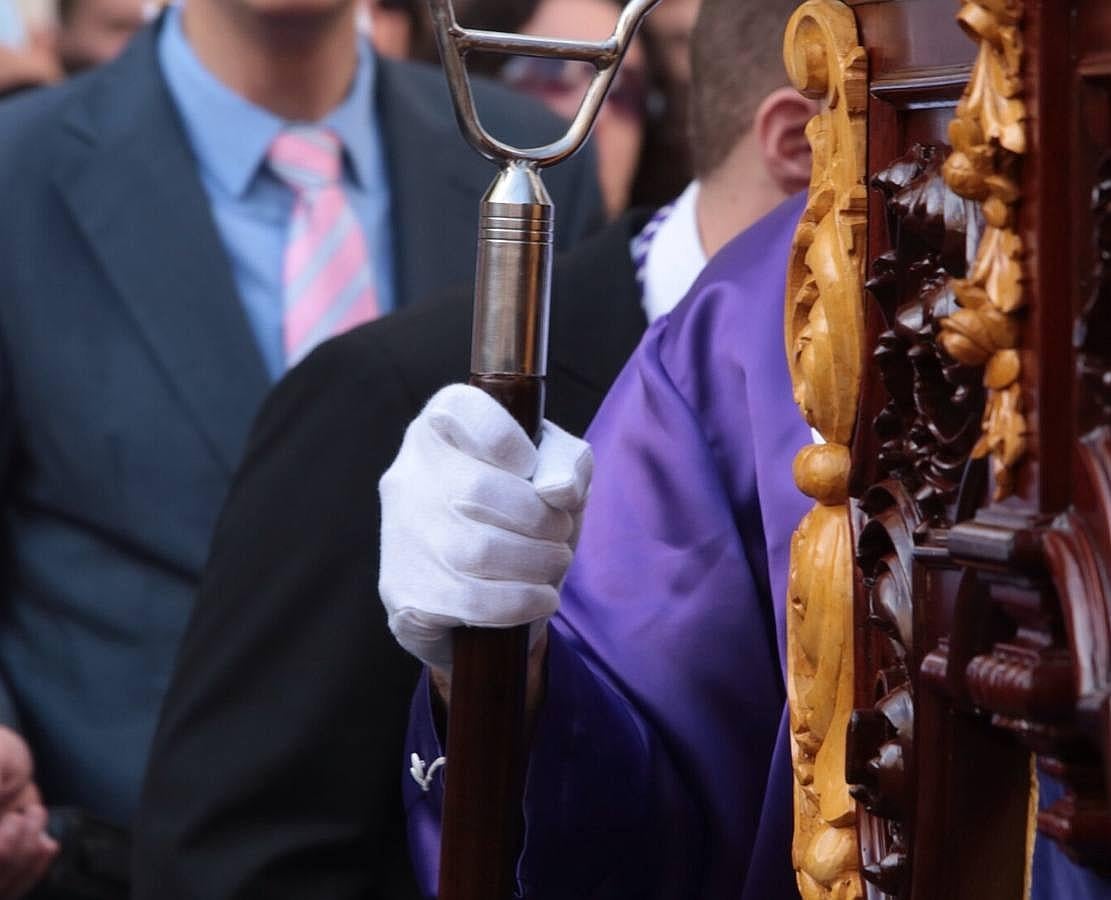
640,137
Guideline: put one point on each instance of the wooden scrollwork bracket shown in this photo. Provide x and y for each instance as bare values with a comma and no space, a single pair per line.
824,336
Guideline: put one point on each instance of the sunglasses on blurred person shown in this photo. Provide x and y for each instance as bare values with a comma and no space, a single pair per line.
558,78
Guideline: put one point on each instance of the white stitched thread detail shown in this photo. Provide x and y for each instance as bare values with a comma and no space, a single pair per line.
420,775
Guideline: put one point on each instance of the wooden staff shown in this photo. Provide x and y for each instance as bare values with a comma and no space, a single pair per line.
485,744
486,752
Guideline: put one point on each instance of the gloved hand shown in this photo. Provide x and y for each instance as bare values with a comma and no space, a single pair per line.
478,525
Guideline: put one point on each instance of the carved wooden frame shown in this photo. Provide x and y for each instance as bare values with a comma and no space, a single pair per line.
824,336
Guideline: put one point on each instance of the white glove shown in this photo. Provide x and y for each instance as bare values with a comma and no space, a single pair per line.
478,525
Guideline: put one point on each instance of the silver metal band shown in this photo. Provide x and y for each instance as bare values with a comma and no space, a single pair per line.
513,275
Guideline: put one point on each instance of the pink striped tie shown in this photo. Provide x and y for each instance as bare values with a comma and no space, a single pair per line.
326,274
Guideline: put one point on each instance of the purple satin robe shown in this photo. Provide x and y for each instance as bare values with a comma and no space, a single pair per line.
661,765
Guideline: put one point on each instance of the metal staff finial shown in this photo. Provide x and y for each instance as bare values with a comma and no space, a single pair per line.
486,751
456,41
515,230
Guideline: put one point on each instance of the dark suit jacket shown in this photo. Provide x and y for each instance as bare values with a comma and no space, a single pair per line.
276,769
129,378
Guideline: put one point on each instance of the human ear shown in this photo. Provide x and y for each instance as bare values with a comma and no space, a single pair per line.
780,129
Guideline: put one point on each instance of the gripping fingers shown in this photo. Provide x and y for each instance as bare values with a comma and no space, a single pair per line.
477,425
25,851
564,467
491,554
42,851
501,605
15,768
486,494
508,604
534,520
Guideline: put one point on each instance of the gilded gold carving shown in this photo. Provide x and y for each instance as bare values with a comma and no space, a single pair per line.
988,136
825,338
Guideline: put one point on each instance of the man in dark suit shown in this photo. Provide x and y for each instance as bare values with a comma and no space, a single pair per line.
144,232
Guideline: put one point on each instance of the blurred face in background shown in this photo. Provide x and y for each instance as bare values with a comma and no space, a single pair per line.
670,26
619,132
391,27
92,32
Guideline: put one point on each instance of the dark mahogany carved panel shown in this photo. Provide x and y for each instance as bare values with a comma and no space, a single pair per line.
931,419
983,599
1047,681
925,431
1093,325
1077,552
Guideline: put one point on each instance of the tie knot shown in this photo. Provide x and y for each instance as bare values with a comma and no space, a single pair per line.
306,157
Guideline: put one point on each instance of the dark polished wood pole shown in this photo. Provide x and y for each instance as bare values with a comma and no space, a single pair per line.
482,837
486,725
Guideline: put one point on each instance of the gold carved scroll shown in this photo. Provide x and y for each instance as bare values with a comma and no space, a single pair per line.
825,340
988,135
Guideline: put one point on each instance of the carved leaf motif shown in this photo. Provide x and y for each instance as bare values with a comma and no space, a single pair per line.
820,696
974,334
989,140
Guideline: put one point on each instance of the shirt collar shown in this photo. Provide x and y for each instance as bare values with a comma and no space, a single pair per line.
231,136
675,257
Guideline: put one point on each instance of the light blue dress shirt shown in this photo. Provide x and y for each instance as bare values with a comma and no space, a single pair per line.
230,138
12,33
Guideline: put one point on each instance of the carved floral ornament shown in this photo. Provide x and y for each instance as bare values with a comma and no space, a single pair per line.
824,331
988,135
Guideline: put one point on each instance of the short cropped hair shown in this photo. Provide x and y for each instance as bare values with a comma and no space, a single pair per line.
736,61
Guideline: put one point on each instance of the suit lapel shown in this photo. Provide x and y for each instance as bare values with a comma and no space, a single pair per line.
434,178
130,182
593,340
